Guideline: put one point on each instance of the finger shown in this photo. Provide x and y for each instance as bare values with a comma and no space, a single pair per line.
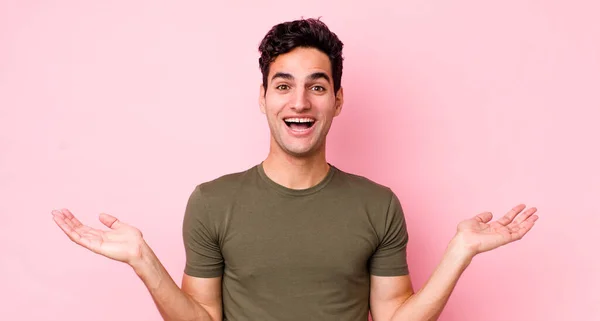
67,213
520,230
73,220
530,220
110,221
78,236
67,229
60,221
74,223
67,217
484,217
56,214
510,216
525,215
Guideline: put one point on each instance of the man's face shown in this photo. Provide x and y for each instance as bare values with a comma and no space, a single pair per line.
300,102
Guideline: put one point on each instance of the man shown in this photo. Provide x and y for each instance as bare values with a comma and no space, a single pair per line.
294,237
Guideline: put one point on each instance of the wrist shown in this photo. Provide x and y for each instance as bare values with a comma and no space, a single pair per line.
142,261
459,250
148,268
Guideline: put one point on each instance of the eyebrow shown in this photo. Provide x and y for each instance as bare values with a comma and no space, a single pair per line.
313,76
282,75
319,75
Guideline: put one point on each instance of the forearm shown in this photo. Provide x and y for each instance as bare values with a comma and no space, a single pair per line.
172,303
427,304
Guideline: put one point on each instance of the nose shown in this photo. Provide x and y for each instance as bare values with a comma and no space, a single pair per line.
300,101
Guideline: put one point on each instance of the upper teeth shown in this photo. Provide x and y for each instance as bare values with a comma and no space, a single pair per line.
299,120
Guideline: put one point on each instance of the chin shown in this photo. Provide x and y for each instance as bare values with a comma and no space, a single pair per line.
301,152
296,148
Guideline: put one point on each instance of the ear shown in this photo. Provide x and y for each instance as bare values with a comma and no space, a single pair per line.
339,101
261,99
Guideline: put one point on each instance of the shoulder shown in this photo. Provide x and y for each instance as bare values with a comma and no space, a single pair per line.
210,200
220,191
364,187
223,185
377,201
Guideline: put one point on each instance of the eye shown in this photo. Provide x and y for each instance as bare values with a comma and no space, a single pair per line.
318,88
283,87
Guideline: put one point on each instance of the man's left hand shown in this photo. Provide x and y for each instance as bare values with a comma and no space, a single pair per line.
477,235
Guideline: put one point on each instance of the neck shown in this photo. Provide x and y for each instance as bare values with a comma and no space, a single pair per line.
295,172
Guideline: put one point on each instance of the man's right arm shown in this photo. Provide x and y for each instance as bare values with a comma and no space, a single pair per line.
199,299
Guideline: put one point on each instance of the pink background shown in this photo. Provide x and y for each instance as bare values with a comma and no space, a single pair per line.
459,106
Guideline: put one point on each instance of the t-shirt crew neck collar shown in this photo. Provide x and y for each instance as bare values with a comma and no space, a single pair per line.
296,192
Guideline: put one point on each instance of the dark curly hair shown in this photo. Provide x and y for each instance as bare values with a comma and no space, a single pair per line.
286,36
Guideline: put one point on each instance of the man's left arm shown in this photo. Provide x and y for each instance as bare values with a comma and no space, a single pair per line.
392,297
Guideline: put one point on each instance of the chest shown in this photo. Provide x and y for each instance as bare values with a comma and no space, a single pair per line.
324,242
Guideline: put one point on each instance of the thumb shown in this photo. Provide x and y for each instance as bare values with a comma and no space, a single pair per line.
110,221
484,217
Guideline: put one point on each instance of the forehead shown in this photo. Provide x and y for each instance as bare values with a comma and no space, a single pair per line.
301,62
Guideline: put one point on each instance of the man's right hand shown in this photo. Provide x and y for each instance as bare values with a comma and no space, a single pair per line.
122,242
201,299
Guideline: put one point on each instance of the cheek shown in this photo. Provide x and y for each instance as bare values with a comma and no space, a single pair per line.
326,106
274,105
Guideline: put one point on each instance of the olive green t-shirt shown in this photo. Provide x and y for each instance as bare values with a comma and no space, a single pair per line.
288,254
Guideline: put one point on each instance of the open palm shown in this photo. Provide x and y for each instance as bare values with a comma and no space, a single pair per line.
122,242
480,235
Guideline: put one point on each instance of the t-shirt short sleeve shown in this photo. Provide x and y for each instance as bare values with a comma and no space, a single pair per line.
200,239
390,257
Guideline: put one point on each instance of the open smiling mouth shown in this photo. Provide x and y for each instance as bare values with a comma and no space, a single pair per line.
299,124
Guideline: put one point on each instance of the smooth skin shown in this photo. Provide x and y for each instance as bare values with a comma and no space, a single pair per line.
300,85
